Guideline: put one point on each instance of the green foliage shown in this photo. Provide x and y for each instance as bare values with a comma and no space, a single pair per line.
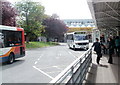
30,17
40,44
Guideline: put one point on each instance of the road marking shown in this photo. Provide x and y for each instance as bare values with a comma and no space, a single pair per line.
56,67
38,59
36,62
40,56
54,72
43,72
72,54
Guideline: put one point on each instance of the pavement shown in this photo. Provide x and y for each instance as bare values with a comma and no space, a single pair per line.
105,73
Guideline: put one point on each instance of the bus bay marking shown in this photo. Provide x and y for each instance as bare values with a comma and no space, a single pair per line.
72,54
43,72
36,62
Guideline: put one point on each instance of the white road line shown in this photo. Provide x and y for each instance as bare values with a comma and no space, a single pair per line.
56,67
60,66
72,54
36,62
43,72
38,59
53,72
41,56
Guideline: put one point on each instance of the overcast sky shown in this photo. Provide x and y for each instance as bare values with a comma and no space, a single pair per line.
67,9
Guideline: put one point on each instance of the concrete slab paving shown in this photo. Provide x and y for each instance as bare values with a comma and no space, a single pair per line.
104,73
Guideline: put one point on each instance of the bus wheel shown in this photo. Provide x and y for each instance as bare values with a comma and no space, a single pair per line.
69,46
11,58
86,48
74,48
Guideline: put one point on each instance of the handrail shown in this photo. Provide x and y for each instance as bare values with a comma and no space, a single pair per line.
68,74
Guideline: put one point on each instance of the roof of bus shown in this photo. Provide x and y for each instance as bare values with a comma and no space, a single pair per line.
2,27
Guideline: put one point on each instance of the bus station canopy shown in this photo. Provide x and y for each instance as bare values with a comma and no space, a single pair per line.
106,14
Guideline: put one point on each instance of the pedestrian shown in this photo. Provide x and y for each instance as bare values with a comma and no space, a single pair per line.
117,45
103,47
97,49
111,50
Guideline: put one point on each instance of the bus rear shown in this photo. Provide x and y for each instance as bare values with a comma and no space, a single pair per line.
12,44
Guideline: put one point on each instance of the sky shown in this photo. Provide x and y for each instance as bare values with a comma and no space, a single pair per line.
66,9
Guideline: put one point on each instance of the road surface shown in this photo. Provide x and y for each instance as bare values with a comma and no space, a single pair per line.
39,65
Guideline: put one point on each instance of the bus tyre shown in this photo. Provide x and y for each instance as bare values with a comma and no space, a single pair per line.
74,48
87,48
11,58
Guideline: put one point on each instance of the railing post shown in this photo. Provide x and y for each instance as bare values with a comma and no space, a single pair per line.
80,69
91,55
72,74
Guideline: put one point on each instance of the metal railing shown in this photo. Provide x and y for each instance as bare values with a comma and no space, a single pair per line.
75,72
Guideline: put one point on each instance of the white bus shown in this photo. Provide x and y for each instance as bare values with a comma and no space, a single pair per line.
78,40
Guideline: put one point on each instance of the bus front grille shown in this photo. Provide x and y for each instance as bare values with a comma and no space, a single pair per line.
82,43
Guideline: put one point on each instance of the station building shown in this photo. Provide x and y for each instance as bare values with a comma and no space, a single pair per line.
79,24
83,25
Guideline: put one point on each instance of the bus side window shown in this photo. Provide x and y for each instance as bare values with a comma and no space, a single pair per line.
18,38
72,38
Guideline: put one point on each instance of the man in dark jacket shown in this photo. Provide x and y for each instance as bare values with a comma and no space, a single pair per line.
97,49
111,50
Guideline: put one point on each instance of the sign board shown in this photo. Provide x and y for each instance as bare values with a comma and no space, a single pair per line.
72,29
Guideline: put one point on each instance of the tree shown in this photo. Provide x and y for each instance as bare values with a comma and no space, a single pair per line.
31,16
54,28
9,14
55,16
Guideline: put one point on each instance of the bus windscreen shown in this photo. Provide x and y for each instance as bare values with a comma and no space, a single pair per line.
80,37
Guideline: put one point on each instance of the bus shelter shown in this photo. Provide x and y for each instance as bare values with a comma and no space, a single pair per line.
106,14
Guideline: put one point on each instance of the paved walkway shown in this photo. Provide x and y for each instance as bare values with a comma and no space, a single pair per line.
107,73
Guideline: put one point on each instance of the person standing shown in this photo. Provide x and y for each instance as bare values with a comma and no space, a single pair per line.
97,49
111,50
117,45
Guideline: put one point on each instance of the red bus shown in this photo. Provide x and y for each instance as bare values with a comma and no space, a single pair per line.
12,43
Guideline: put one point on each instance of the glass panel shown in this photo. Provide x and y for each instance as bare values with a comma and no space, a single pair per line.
70,37
80,37
12,38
